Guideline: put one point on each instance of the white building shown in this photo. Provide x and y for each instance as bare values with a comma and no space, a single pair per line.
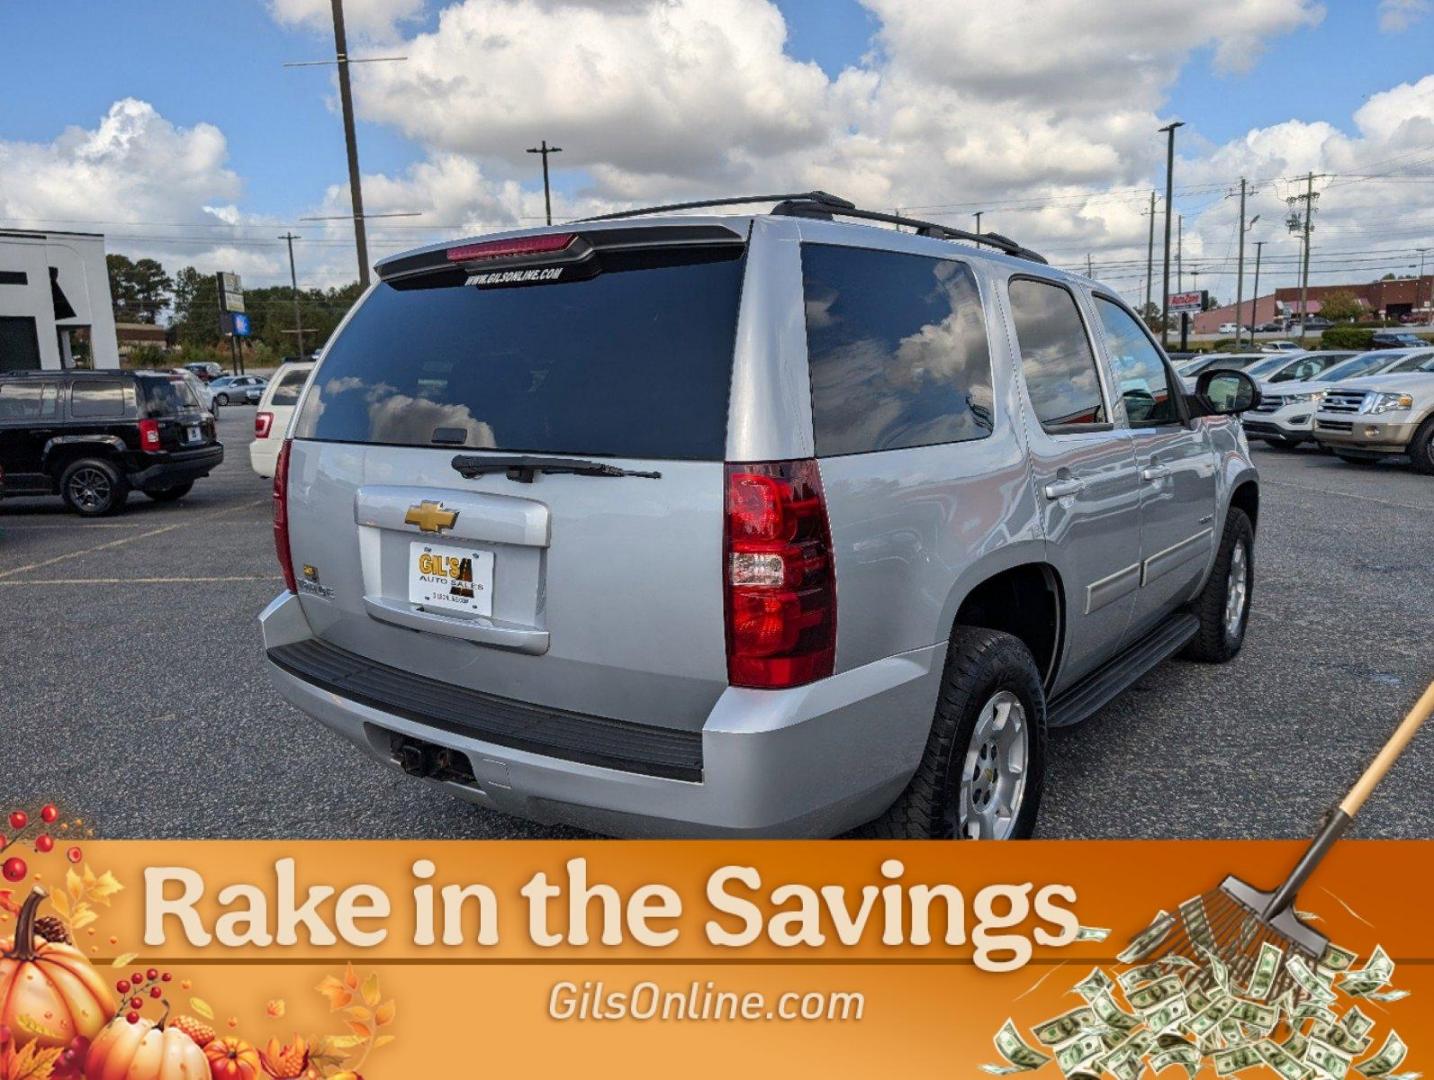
55,308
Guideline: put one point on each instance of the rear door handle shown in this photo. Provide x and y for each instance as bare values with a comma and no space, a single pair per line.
1059,489
1155,472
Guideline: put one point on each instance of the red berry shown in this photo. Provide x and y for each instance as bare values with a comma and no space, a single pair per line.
152,974
137,978
44,844
155,991
122,986
74,854
14,869
19,819
49,813
165,977
132,1017
136,1003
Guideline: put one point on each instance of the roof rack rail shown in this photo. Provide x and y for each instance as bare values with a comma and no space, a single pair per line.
824,205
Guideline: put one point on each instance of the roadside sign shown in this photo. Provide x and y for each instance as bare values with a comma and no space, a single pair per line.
231,292
1183,302
241,324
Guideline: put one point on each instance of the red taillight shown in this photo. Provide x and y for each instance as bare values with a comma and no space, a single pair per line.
149,435
281,517
502,249
262,423
781,582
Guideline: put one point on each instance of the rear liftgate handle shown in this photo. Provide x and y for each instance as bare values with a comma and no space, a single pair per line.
1342,817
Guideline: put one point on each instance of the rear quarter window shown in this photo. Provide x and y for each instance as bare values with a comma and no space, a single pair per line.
100,399
289,387
897,349
634,362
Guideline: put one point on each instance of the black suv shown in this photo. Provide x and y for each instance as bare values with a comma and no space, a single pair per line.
93,436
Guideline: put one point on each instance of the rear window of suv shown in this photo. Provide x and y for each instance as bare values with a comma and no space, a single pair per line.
631,363
291,385
897,348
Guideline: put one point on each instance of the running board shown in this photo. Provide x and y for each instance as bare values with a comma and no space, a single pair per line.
1075,704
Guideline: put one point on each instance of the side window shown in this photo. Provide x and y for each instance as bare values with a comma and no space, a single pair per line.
289,388
1056,357
28,400
897,350
97,399
1141,378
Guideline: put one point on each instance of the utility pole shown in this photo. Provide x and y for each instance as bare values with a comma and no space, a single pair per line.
294,286
545,150
1419,284
1255,301
1169,129
1240,273
346,100
1089,271
1179,252
978,221
1308,198
1149,259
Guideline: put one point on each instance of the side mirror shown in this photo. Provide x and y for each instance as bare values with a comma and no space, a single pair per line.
1222,392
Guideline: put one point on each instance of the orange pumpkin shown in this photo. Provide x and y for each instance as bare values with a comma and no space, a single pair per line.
231,1058
49,994
144,1050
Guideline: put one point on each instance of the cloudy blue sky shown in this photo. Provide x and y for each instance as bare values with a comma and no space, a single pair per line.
175,128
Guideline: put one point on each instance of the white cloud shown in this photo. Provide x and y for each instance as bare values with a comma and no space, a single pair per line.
1396,16
377,19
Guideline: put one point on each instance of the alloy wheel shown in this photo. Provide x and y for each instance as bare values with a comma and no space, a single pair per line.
993,771
90,489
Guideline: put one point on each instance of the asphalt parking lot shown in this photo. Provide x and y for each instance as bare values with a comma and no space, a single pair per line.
133,689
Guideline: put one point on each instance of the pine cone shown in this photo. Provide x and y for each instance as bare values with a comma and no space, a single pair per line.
52,929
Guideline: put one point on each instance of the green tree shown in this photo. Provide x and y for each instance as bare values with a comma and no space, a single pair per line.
139,289
1341,306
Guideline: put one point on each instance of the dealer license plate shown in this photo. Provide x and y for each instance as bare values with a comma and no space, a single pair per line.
193,434
449,579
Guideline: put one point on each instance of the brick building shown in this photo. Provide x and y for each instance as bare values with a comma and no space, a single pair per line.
1383,299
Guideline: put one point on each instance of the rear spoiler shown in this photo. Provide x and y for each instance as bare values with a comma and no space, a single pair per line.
540,258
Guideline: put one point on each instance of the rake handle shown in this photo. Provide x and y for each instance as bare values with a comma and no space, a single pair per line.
1343,817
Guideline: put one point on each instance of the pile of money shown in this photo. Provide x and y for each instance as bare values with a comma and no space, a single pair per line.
1300,1018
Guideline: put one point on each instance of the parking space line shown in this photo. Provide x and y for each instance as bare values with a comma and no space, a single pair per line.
72,526
141,580
127,539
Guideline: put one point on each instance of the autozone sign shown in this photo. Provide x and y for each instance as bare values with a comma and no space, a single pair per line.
1187,301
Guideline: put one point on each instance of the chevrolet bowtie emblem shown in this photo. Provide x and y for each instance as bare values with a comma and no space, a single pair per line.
430,517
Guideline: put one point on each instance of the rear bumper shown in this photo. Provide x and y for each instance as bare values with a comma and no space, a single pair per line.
178,467
814,761
264,455
1356,432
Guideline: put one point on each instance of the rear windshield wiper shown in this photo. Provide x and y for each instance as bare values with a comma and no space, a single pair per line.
523,469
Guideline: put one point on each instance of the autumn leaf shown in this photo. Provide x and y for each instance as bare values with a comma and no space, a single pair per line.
202,1007
33,1063
61,903
339,1043
84,915
337,993
383,1040
384,1014
363,1031
351,979
103,888
74,885
276,1008
123,960
359,1013
371,994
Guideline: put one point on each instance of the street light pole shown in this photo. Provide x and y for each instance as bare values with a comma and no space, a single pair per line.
545,150
1169,129
1255,301
1240,273
978,221
1149,259
1419,283
294,286
346,101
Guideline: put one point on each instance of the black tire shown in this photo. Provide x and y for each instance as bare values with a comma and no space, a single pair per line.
980,665
170,494
221,398
1219,641
92,487
1421,448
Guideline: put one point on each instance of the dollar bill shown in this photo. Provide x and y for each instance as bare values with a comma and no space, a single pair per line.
1391,1055
1217,969
1375,974
1018,1054
1336,959
1197,999
1281,1060
1184,1055
1387,995
1094,984
1236,1058
1153,995
1313,1010
1208,1019
1355,1022
1112,1015
1328,1059
1262,1017
1078,1053
1296,1044
1308,981
1168,1015
1092,933
1267,966
1064,1028
1149,939
1197,923
1340,1037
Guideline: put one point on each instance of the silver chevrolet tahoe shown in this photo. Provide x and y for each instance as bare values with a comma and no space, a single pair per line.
782,524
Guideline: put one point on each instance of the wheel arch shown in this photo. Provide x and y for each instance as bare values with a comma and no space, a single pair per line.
60,451
1023,596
